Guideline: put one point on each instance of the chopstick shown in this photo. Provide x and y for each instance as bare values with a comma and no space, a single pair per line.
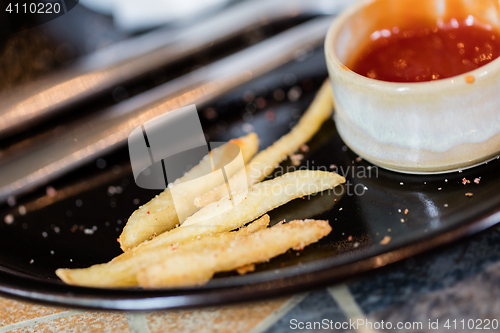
28,106
109,129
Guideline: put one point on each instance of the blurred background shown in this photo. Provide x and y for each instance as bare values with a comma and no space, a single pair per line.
32,47
66,64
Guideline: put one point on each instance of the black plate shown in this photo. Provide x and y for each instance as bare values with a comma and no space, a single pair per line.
75,222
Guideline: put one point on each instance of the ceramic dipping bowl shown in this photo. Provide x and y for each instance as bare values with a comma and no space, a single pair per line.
424,127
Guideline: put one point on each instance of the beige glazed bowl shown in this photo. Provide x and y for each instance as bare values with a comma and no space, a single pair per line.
425,127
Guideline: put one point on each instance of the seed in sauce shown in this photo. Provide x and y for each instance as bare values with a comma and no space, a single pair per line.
470,79
427,53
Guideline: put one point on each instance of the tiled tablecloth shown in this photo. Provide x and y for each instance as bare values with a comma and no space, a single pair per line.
458,282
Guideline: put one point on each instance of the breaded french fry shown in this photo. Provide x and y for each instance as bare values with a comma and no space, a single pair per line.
196,268
121,271
264,163
222,216
160,215
261,198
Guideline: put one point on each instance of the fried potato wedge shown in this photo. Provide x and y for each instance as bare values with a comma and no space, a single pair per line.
121,271
160,214
264,163
196,268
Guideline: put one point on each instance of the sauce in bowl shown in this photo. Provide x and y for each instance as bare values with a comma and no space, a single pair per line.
420,53
438,124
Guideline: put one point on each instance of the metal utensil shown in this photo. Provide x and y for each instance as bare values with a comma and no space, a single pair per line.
103,132
124,61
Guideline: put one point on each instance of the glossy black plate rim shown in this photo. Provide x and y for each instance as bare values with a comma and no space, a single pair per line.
144,300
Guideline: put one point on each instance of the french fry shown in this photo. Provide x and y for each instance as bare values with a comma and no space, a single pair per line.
264,163
121,271
261,198
209,229
196,268
160,214
222,216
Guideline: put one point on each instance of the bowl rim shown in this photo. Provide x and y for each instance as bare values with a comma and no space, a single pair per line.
453,82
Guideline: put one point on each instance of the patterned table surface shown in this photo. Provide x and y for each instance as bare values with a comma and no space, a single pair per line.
458,282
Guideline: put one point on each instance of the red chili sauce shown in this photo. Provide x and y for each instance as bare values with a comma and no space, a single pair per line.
427,53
